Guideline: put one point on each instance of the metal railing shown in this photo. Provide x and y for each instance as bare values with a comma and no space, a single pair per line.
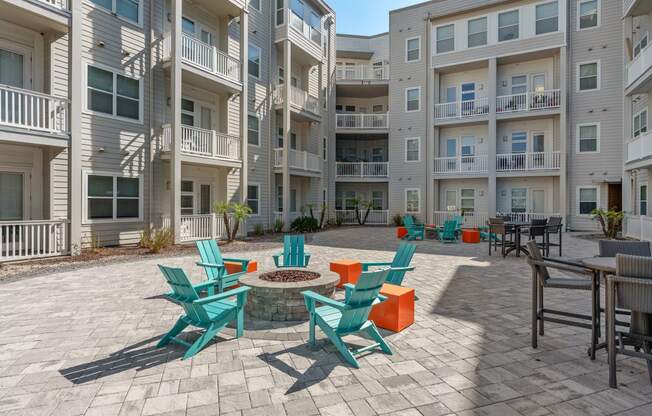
472,219
21,240
362,169
461,164
298,24
202,142
362,72
462,109
33,110
527,216
298,97
362,121
511,162
376,217
205,57
299,159
528,101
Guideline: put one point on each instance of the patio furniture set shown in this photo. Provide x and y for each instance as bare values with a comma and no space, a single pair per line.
373,296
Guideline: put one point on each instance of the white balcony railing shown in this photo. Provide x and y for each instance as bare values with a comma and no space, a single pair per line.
526,216
202,142
362,169
20,240
302,27
32,110
639,65
638,226
205,57
461,164
639,148
201,227
528,101
362,72
472,219
299,159
57,4
298,98
376,216
362,121
462,109
510,162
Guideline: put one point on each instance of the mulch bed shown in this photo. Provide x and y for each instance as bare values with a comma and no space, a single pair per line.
289,276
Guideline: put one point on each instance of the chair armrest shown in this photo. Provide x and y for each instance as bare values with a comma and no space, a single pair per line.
233,275
276,258
402,269
244,262
632,280
309,295
211,265
562,266
204,284
225,295
366,265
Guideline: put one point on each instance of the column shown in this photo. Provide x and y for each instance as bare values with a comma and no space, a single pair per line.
287,68
563,133
244,104
322,133
492,195
175,106
75,191
432,92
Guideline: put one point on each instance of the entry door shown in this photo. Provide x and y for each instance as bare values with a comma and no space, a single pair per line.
13,68
451,152
205,198
539,83
451,200
538,201
206,118
12,191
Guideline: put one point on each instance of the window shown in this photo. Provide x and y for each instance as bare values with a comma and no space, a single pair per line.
546,18
642,202
126,9
588,76
253,198
508,28
445,38
519,84
281,76
12,189
187,197
467,200
377,108
467,147
413,49
519,142
187,112
279,12
377,200
588,138
293,199
641,44
468,91
477,29
112,197
412,147
413,99
349,109
113,94
640,123
254,61
253,130
255,4
587,198
413,200
519,200
588,14
324,148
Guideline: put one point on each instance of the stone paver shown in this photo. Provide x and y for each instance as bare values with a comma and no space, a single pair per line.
83,343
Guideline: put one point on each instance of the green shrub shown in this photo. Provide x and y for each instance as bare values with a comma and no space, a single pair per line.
397,219
304,225
339,220
259,229
278,226
160,239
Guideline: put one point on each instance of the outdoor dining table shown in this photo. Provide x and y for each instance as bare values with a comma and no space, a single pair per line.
517,227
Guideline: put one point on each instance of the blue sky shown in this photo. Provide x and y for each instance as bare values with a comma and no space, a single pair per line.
365,17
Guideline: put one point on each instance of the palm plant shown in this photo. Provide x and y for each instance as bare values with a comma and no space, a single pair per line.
322,215
240,214
310,208
356,205
223,208
367,205
611,221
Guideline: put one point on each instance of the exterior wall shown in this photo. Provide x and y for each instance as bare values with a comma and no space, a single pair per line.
479,131
550,186
548,126
480,187
363,191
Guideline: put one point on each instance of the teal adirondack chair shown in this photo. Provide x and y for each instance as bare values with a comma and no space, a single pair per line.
293,254
414,230
213,264
459,221
338,319
398,266
211,313
448,233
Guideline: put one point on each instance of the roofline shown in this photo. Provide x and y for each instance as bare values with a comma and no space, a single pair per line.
348,35
414,6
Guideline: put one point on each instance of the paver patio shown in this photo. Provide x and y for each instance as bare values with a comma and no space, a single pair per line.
82,342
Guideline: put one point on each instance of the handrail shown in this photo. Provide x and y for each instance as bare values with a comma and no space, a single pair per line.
32,110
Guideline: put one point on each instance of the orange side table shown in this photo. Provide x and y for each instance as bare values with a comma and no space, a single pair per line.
471,236
401,232
397,312
349,270
236,267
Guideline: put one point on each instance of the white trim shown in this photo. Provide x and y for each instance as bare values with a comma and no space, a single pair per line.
639,200
259,9
577,14
115,72
407,40
405,200
638,114
406,99
486,17
577,198
543,3
511,198
405,147
435,52
259,199
577,137
498,13
114,175
115,14
260,63
257,117
577,75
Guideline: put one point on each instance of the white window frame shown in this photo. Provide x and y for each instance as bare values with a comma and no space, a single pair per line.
640,130
466,197
647,198
579,3
639,45
382,199
260,64
577,198
437,39
486,32
406,99
418,140
259,8
577,136
115,14
192,193
537,20
257,185
526,197
498,27
252,114
577,76
405,195
407,42
114,94
88,172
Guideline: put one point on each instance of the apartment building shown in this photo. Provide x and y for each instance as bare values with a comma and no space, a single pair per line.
118,115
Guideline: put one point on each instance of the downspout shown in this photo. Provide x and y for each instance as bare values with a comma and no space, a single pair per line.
271,116
150,168
429,123
330,138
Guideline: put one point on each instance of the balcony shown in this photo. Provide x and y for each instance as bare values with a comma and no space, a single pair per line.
201,145
306,39
204,59
22,240
472,219
33,117
636,7
358,122
201,227
639,149
300,160
527,162
638,227
304,105
639,72
362,170
461,165
362,72
528,101
39,15
470,109
375,217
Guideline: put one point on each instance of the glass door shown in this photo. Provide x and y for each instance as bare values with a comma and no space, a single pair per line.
538,149
451,154
11,203
468,98
205,198
539,99
538,201
451,200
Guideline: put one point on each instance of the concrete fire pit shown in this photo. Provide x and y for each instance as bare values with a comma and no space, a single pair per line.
276,299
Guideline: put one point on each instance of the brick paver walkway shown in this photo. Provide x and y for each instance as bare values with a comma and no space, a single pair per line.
82,342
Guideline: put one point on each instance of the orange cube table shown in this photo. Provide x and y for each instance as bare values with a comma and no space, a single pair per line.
401,232
397,312
471,236
236,267
349,270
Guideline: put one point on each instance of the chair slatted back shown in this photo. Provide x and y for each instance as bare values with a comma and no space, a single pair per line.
449,229
361,299
459,221
610,248
209,252
535,254
630,295
554,224
183,292
538,227
293,251
402,258
497,225
408,221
